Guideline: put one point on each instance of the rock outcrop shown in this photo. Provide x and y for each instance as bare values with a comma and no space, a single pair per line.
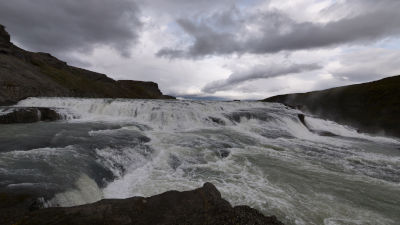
203,206
10,115
372,107
142,87
26,74
4,36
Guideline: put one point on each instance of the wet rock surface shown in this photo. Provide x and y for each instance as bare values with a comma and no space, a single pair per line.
13,206
9,115
302,119
200,206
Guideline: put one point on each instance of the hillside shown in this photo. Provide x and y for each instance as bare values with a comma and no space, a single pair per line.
26,74
372,107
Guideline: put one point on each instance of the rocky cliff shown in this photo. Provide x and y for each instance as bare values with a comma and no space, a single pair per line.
26,74
372,107
202,206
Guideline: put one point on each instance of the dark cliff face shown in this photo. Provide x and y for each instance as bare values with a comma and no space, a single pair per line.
4,36
371,107
139,87
26,74
202,206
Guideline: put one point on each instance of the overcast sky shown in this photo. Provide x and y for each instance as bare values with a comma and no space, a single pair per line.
222,49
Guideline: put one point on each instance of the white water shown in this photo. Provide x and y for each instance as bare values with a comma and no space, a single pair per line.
256,153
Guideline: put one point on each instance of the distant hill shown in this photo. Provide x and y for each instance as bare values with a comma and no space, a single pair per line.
372,107
26,74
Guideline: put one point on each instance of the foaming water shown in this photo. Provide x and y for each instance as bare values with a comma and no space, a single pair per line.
86,191
256,153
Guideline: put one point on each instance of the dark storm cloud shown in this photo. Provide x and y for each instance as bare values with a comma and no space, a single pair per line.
258,72
272,31
71,25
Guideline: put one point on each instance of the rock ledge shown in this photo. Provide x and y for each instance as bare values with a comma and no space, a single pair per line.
197,207
10,115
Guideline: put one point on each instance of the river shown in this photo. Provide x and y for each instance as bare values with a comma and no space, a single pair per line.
257,154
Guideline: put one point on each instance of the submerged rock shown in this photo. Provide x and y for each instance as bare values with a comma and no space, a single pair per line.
174,162
223,153
10,115
217,120
302,118
200,206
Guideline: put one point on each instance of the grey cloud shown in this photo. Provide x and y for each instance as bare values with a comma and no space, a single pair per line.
274,32
340,9
72,25
185,7
368,65
258,72
205,43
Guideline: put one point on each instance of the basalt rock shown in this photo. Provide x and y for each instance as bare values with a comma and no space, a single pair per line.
4,36
27,74
139,88
10,115
13,206
302,119
203,206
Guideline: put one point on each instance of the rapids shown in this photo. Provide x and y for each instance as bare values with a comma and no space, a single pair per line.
256,153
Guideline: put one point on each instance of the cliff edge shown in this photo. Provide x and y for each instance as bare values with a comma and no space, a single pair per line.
26,74
372,107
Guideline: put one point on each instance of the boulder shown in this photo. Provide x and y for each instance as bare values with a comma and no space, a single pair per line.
10,115
13,206
201,206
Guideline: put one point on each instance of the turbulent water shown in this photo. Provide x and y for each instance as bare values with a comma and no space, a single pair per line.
258,154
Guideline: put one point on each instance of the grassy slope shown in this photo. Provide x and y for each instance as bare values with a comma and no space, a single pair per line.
372,107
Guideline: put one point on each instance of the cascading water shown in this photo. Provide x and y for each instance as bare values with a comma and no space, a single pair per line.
259,154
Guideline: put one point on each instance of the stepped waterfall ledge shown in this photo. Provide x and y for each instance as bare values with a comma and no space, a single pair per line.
302,169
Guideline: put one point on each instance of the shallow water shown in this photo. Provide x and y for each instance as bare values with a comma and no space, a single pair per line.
256,153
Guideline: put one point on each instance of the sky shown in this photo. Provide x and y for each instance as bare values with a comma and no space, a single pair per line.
216,49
